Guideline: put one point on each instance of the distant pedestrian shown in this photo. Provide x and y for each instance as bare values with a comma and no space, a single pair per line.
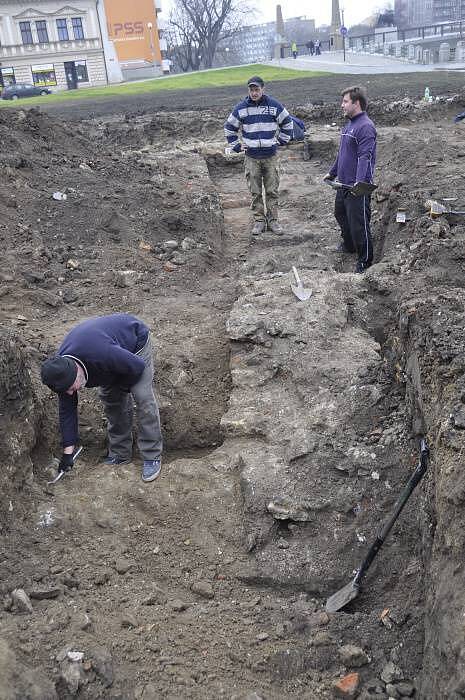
294,49
311,47
355,162
166,64
318,47
264,124
114,353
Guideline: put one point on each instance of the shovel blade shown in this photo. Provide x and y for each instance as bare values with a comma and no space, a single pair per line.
301,293
342,597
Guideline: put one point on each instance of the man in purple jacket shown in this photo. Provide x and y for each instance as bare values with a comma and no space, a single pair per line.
114,353
355,163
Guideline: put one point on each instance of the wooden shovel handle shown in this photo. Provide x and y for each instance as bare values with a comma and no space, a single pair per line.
296,276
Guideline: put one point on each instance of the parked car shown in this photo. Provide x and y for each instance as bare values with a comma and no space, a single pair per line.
14,92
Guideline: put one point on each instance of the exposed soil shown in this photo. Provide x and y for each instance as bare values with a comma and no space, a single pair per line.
319,90
290,427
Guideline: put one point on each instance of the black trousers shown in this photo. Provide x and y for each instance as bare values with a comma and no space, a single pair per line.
353,214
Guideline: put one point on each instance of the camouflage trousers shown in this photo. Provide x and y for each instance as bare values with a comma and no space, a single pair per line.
263,180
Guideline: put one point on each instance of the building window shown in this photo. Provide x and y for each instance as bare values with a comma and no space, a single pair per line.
81,71
26,33
44,74
62,28
78,30
42,33
7,76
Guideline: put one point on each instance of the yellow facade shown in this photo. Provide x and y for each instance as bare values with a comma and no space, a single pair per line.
133,28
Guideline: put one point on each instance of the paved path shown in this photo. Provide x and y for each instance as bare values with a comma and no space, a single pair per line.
361,63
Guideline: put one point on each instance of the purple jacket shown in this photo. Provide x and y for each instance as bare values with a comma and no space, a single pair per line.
356,158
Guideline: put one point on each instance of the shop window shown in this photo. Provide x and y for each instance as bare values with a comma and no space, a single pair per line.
26,32
78,30
62,28
44,74
7,76
81,71
42,33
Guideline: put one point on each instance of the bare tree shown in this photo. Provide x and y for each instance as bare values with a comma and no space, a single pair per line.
198,25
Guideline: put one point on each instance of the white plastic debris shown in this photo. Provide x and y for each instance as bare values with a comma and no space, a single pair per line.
375,476
75,655
59,196
46,518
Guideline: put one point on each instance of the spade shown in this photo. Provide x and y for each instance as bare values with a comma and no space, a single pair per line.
299,290
350,591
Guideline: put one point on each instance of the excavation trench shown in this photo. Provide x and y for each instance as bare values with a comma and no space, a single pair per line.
290,427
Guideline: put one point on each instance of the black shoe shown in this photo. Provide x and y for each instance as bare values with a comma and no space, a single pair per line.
361,267
342,248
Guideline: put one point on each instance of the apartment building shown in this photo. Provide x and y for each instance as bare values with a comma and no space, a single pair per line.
51,43
256,43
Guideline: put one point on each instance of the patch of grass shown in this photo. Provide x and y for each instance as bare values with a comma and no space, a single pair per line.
216,78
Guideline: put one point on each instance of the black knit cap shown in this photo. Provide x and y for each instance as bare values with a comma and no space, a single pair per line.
59,373
256,80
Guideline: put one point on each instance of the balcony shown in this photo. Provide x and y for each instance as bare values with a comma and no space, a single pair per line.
53,47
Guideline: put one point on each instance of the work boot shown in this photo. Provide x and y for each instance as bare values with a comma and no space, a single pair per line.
151,469
258,228
275,228
115,460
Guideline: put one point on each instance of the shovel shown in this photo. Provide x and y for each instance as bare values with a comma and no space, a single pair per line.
360,189
340,599
298,289
437,209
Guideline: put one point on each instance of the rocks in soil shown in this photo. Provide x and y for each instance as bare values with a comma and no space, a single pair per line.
188,243
178,605
169,246
72,676
391,673
347,687
19,681
123,565
203,589
157,596
102,663
352,656
45,593
21,601
69,296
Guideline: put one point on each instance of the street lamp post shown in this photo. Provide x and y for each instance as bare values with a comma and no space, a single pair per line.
343,32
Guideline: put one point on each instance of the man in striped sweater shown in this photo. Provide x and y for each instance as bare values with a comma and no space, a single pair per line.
264,124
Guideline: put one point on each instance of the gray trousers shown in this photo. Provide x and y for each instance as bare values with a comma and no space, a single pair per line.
118,405
263,180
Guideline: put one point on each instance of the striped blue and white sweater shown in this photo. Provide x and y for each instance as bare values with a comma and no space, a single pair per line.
264,124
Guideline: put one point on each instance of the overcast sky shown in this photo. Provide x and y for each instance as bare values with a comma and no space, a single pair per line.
354,10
